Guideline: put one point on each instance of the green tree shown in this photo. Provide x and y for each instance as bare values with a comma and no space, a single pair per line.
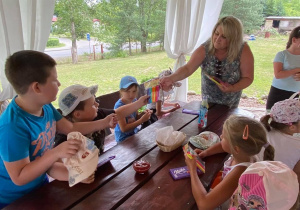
248,11
280,8
125,21
270,9
73,16
291,8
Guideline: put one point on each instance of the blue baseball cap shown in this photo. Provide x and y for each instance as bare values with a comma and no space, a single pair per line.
127,81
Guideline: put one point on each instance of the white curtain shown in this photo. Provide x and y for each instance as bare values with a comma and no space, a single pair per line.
24,25
188,24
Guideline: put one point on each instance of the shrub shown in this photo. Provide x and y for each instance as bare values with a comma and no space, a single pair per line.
52,42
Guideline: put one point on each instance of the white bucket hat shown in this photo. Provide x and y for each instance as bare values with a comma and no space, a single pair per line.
72,95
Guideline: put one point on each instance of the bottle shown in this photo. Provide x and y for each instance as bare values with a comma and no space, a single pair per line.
202,120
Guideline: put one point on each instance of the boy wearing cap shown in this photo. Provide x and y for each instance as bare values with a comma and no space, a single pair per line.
28,126
127,126
77,103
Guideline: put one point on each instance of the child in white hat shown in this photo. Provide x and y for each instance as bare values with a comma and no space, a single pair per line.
78,104
282,123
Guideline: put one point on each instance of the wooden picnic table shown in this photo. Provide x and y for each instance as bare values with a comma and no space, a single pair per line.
118,186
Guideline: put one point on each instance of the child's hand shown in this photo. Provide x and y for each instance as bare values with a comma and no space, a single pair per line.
201,153
146,116
112,120
89,180
176,105
68,148
130,120
143,100
191,163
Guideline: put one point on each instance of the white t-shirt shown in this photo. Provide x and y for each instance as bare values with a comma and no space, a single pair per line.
287,148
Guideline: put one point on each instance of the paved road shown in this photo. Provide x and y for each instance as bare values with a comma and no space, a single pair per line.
83,46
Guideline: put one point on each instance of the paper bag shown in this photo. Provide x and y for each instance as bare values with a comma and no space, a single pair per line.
84,162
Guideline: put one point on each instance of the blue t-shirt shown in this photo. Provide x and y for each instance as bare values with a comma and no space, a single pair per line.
289,61
24,135
119,135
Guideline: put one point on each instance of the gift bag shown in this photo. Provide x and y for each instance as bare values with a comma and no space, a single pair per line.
152,89
84,162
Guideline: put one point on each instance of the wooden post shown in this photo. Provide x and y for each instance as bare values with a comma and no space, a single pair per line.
101,50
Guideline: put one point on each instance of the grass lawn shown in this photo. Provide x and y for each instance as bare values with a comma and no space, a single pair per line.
108,72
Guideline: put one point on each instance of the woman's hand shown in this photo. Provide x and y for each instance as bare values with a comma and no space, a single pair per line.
166,83
297,76
226,87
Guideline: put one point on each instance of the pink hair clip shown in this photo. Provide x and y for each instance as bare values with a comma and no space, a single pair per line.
246,132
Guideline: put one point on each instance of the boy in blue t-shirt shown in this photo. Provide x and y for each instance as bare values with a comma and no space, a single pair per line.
28,126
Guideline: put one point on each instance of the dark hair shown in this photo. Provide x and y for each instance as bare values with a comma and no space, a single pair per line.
28,66
295,33
276,125
80,106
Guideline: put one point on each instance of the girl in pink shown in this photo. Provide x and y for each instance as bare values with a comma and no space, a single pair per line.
243,138
283,125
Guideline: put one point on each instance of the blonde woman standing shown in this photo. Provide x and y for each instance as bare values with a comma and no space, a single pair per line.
226,59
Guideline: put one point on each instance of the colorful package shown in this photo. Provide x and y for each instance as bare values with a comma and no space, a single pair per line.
190,153
152,89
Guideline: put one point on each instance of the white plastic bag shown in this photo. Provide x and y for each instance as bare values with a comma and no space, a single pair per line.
168,137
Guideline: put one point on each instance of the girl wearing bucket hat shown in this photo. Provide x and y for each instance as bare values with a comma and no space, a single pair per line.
282,124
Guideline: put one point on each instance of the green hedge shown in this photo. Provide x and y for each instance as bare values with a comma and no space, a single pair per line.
52,42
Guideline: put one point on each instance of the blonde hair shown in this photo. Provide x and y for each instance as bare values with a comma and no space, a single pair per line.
235,127
233,31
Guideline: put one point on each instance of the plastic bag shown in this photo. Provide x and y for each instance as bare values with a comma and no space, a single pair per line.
168,137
